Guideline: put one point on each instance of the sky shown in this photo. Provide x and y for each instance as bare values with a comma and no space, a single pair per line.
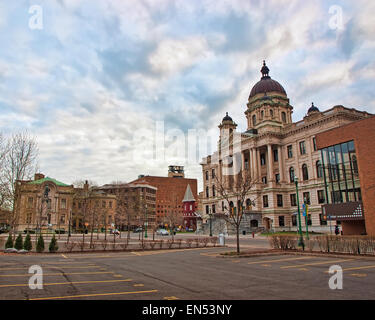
112,89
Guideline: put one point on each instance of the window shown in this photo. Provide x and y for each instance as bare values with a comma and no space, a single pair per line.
207,192
291,174
293,200
206,175
281,221
29,217
30,202
264,180
277,177
306,197
354,165
213,208
314,143
275,155
248,204
262,159
110,204
63,203
207,209
302,147
222,206
262,115
213,191
254,120
294,220
213,173
283,117
321,198
290,151
265,201
271,113
319,169
279,200
103,204
62,219
305,172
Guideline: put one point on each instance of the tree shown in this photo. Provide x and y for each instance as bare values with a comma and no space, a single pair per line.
40,244
27,243
235,188
173,217
9,243
18,244
53,247
19,161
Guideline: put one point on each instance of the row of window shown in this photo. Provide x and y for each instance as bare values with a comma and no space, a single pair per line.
30,203
212,174
293,199
323,221
254,118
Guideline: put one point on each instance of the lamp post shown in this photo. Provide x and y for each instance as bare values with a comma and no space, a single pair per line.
300,241
210,214
146,221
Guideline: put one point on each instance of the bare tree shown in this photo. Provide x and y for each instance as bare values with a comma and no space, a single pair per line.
234,194
19,161
173,216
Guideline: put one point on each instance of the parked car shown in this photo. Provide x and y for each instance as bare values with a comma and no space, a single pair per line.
139,229
162,232
114,231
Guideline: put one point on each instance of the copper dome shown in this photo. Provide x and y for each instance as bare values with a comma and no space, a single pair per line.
266,84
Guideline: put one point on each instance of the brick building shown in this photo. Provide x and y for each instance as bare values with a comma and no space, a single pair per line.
169,195
43,203
349,173
273,151
136,203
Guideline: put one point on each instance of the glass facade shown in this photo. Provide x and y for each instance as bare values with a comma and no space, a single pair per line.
340,173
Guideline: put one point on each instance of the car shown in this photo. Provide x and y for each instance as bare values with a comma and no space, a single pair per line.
162,232
114,231
139,229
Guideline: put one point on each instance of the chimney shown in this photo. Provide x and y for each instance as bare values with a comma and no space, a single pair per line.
38,176
86,186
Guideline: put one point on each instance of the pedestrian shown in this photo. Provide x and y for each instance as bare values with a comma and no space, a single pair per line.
337,230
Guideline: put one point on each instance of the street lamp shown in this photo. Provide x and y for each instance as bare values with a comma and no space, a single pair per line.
300,241
146,221
210,214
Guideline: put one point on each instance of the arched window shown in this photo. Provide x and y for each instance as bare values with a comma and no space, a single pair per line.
254,120
248,204
206,175
207,192
271,113
283,117
319,169
213,191
262,114
291,174
305,172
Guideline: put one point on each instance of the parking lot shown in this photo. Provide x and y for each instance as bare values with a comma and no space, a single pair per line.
199,273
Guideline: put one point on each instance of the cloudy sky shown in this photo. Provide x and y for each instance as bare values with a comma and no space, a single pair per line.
101,77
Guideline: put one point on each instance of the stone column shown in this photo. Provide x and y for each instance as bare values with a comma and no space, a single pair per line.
258,166
270,163
281,163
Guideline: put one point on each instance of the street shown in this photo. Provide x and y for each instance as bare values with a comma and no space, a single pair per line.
192,274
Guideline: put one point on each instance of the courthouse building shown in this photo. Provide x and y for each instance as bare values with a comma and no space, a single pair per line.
274,151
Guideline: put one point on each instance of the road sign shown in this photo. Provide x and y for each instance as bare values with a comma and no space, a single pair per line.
304,210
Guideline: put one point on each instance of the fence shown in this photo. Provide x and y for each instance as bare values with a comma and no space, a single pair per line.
358,245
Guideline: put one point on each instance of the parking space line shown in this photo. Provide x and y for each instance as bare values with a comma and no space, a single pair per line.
53,274
55,267
357,268
280,260
64,283
315,263
96,295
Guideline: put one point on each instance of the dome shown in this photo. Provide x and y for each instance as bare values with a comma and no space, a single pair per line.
312,108
266,84
227,118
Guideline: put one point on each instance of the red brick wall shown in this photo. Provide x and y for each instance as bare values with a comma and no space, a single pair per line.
363,134
168,189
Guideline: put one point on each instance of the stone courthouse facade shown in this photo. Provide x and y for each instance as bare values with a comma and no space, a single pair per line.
274,151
